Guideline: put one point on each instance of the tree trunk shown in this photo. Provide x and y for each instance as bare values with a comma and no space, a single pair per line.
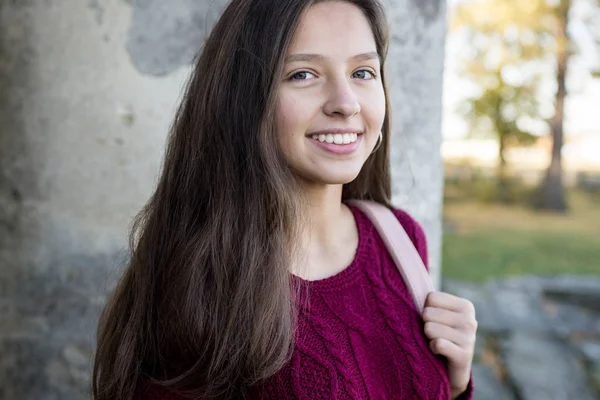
552,193
503,186
502,189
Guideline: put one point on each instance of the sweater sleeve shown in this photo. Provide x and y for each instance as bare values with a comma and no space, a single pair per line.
417,236
467,394
415,233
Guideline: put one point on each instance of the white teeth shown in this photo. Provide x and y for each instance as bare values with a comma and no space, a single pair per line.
337,138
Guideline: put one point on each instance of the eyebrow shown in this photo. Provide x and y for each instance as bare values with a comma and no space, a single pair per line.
317,57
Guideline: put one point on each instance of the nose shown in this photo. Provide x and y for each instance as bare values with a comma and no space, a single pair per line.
341,100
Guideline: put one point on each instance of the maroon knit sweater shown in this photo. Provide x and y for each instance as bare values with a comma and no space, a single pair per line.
362,337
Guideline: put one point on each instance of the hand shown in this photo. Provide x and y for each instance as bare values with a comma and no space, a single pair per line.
451,325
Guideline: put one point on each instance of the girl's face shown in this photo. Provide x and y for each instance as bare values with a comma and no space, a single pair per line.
331,92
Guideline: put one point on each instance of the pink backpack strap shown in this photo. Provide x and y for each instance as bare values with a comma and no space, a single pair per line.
401,249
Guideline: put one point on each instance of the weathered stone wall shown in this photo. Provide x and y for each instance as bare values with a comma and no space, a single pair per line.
87,92
538,338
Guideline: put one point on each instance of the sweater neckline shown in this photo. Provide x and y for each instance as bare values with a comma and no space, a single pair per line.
352,271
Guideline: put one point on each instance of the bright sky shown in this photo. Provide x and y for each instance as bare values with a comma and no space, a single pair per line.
582,113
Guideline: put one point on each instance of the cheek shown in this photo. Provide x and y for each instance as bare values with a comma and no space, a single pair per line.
373,115
292,118
376,109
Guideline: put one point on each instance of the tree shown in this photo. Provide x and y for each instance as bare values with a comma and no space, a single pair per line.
500,61
543,36
552,195
496,109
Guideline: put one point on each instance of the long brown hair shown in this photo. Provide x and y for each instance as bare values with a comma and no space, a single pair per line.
206,305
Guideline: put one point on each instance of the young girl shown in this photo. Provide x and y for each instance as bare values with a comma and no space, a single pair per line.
250,275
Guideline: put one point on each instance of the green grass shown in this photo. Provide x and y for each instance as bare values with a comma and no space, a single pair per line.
478,256
490,241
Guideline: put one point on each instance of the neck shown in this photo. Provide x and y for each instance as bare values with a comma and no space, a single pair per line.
330,236
325,211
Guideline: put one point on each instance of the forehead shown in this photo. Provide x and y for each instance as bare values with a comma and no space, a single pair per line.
333,28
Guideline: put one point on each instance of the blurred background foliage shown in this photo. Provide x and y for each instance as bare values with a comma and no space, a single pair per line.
517,211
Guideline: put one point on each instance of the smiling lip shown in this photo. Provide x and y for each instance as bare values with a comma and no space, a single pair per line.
337,148
325,132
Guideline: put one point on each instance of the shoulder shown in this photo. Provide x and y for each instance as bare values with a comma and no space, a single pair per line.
415,232
409,223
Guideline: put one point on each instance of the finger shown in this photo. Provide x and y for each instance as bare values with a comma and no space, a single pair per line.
433,330
450,302
446,317
456,355
442,316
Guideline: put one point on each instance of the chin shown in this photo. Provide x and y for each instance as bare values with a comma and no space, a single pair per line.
331,177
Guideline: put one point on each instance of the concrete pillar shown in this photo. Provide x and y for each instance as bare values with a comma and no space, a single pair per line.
415,66
87,93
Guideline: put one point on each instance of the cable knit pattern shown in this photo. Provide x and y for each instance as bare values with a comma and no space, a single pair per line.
397,318
341,359
361,337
